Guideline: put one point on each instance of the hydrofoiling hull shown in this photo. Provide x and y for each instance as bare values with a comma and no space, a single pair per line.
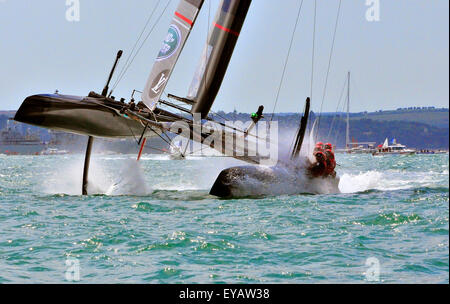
80,115
248,181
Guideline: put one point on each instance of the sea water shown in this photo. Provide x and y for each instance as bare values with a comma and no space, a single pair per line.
154,222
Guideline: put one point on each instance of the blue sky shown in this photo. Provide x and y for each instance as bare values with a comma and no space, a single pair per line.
400,61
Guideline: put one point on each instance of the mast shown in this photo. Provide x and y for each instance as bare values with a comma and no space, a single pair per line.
302,130
106,88
179,30
347,139
216,57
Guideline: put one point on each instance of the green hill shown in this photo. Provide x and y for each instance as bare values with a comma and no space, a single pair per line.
417,128
433,117
412,134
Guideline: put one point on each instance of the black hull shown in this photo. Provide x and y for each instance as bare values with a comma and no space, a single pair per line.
251,181
79,115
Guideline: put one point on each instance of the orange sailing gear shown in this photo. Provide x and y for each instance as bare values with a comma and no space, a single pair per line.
319,168
331,162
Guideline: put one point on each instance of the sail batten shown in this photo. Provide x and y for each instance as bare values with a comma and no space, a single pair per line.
177,35
217,54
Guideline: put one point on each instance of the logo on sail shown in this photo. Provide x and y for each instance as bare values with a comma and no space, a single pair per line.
171,43
159,83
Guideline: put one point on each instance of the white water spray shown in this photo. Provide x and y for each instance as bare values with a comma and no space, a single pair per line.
126,178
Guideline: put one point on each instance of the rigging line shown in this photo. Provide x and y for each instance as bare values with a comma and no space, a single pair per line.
329,62
136,44
220,116
230,127
312,64
143,42
153,130
156,149
357,92
335,122
169,140
116,113
341,120
287,61
132,133
313,48
337,108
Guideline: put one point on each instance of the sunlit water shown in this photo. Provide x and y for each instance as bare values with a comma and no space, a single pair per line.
156,223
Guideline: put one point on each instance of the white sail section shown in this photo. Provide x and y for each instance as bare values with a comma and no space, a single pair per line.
177,35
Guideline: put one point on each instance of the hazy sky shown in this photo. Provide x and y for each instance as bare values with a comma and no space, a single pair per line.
400,61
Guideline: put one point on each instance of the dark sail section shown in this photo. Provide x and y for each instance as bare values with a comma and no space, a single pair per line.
301,132
173,44
217,54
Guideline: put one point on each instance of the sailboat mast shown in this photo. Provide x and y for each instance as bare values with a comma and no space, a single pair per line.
347,139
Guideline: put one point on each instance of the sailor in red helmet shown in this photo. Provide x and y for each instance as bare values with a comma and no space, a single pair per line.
319,168
330,160
320,146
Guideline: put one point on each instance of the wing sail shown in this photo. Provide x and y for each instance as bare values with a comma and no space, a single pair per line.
217,54
177,35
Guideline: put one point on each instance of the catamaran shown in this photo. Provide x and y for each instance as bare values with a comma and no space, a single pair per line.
101,115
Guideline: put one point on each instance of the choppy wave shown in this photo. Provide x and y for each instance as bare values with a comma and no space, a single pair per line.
393,209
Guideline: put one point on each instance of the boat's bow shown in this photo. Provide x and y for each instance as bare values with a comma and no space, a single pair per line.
81,115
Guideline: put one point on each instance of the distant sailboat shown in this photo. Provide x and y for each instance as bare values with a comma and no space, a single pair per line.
351,146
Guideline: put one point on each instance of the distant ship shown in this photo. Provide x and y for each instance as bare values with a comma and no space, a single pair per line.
432,152
13,142
54,151
393,149
361,148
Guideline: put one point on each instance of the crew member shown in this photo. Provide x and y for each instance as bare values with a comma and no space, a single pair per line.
132,105
319,168
330,160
